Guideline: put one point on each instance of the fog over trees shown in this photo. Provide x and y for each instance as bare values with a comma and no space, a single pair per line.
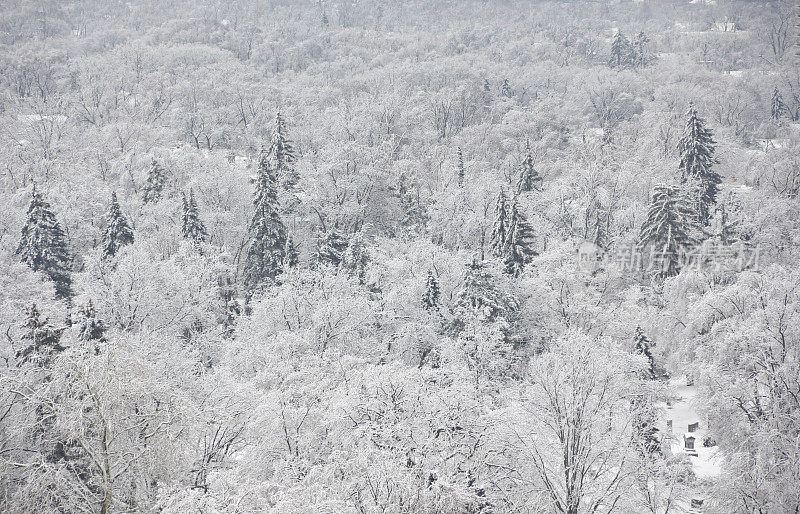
400,256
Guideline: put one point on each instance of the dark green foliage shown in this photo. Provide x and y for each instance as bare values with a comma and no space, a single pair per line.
192,226
292,257
156,181
499,235
43,245
356,257
267,233
641,56
460,170
598,234
622,53
643,346
506,90
529,178
118,232
331,249
779,109
518,249
90,327
40,340
414,214
512,236
697,158
669,228
281,152
430,298
480,298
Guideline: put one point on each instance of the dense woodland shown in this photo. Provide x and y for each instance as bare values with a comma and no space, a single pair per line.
324,256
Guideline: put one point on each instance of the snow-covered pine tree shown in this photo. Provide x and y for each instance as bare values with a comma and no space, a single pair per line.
43,245
156,181
519,249
479,297
486,86
118,232
506,90
356,258
499,236
90,327
430,298
41,338
778,109
267,233
640,56
281,151
598,234
460,170
292,257
642,345
670,228
529,178
621,52
331,249
697,147
192,226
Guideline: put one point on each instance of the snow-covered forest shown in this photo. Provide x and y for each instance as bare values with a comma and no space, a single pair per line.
399,256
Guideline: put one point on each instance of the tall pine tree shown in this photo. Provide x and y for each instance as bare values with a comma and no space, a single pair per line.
460,170
643,346
430,298
281,151
640,56
518,249
156,181
622,55
778,109
669,229
697,158
529,179
118,231
192,226
267,233
40,337
43,246
499,235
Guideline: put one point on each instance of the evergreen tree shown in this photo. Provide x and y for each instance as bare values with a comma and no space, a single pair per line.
267,233
529,179
697,158
356,258
43,245
281,151
518,249
486,86
499,236
118,231
460,170
643,346
156,181
292,257
90,327
598,231
640,57
506,90
41,338
331,249
430,298
779,108
479,297
669,228
192,226
414,214
621,52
